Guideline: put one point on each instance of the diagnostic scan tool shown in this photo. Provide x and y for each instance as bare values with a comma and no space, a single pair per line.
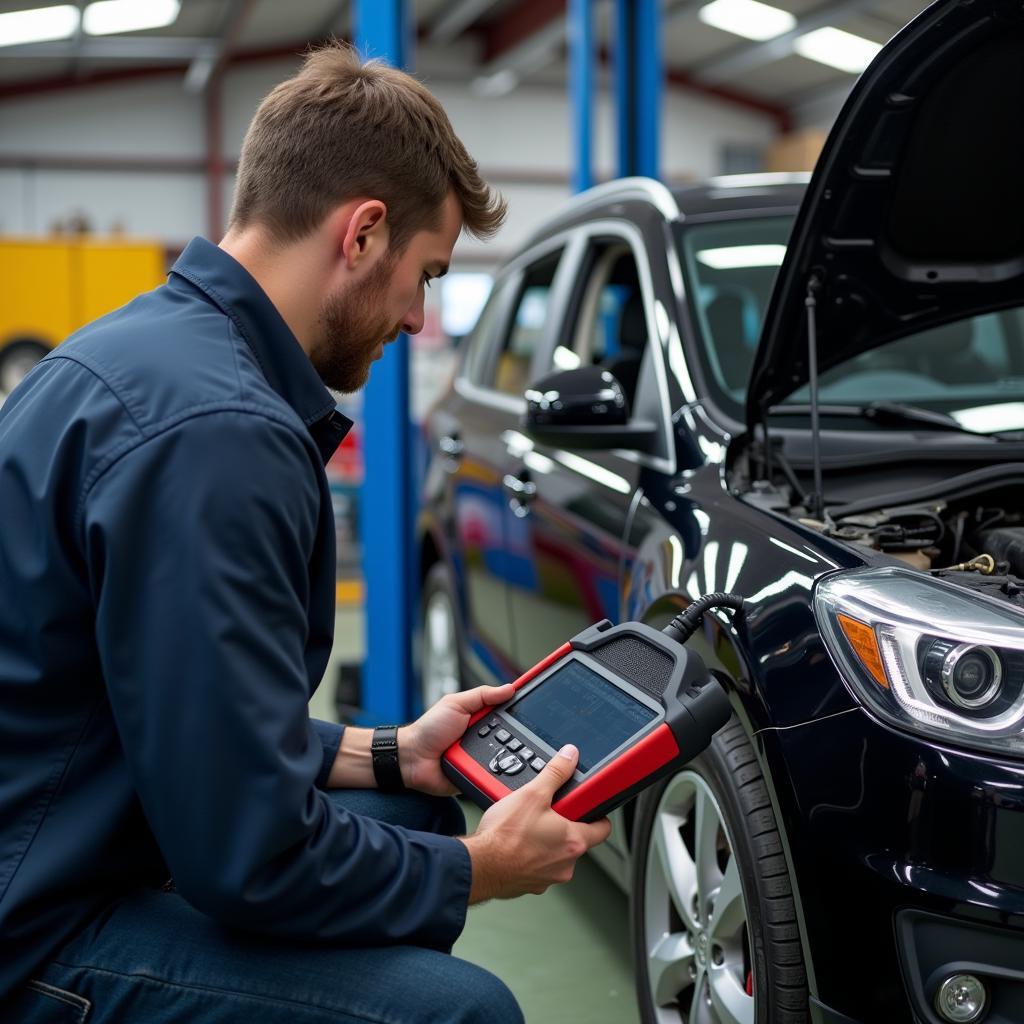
632,699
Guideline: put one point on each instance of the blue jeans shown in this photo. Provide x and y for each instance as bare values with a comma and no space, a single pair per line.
150,958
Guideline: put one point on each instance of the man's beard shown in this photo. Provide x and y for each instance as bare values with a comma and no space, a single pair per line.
350,326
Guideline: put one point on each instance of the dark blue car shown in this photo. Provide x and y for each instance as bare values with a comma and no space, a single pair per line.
812,395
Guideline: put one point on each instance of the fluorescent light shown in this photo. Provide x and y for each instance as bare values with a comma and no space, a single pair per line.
733,257
838,49
39,25
747,18
106,17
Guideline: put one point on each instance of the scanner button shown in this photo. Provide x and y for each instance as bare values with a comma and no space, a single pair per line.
483,730
536,764
503,735
514,744
505,763
526,754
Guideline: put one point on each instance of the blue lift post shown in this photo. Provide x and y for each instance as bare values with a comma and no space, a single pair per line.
384,29
581,90
639,84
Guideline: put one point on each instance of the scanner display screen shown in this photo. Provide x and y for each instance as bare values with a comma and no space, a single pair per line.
577,705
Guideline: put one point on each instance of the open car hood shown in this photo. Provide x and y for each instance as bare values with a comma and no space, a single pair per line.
914,216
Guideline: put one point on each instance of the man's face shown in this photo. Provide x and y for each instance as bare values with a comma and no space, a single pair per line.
357,321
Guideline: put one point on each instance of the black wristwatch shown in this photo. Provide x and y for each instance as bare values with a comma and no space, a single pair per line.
384,750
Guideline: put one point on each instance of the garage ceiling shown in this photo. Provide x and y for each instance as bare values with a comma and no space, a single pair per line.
492,44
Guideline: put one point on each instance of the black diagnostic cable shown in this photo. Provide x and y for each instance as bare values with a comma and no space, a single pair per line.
685,624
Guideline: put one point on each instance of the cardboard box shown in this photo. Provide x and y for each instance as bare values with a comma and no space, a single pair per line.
798,151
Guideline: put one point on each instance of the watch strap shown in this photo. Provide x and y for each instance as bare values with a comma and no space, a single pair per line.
384,752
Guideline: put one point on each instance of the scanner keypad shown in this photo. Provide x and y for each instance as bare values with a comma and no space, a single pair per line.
504,755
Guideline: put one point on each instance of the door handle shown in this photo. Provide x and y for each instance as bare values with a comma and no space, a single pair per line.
522,488
451,445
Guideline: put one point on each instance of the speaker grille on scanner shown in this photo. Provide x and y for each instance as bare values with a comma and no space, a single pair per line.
643,665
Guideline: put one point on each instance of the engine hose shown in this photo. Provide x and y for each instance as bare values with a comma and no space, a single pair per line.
685,624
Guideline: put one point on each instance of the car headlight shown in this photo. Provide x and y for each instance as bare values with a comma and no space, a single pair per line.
928,655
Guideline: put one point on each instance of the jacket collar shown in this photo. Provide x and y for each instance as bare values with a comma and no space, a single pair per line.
287,368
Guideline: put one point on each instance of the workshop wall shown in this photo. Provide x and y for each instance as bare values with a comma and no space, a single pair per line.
131,156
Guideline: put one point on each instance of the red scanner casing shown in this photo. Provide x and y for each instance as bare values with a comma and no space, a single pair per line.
694,707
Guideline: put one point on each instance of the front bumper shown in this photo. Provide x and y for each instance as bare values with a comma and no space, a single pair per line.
933,948
888,834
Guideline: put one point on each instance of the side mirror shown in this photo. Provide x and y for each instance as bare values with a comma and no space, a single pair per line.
583,408
582,397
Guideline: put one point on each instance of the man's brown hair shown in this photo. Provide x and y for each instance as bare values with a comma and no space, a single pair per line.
341,129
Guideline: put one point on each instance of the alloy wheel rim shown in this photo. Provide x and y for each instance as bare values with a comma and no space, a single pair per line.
15,369
695,918
440,654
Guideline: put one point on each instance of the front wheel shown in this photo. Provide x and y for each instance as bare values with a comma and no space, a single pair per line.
16,359
440,662
715,938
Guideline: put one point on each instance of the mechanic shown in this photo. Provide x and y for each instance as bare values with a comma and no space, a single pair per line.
178,839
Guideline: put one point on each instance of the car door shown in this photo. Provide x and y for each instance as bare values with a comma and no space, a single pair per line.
570,508
470,430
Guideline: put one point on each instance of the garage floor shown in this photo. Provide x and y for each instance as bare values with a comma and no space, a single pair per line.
565,955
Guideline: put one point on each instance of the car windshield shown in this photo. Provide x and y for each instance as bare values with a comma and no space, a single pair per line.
971,370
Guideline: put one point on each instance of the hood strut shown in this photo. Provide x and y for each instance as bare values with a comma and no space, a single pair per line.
816,504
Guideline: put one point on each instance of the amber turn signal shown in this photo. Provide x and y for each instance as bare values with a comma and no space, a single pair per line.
865,644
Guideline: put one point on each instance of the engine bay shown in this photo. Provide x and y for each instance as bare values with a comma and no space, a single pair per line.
973,534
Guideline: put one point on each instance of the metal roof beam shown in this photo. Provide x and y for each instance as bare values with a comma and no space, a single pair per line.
456,18
748,57
532,24
807,103
129,72
229,27
127,48
77,40
330,26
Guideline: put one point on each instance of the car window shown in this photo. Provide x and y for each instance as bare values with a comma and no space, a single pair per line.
952,368
479,342
972,369
607,326
529,318
732,268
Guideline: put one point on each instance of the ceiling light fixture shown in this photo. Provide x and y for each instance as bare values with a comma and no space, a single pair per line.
107,17
747,18
39,25
838,49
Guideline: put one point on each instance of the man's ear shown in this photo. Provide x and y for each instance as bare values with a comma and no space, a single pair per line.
365,234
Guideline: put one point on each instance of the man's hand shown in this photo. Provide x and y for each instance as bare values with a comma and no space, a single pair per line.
522,845
421,744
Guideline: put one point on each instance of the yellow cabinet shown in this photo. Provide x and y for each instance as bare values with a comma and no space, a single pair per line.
51,287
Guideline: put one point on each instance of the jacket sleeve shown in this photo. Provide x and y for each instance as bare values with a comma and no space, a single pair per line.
198,543
330,740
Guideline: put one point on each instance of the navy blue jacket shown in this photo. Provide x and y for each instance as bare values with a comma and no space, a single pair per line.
166,611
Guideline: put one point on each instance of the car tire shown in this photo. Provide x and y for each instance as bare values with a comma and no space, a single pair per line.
697,959
16,359
440,639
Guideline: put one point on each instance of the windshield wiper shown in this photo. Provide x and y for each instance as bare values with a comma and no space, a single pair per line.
887,414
